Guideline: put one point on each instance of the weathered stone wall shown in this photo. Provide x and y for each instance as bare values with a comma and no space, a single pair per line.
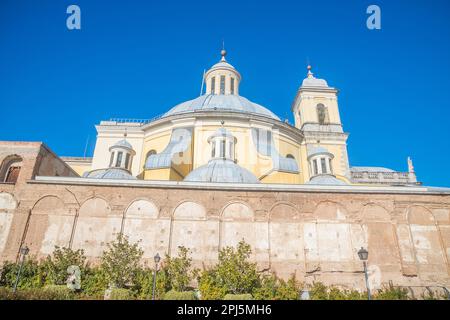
313,234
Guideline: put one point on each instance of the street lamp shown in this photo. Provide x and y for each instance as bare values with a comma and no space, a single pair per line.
157,258
23,252
363,255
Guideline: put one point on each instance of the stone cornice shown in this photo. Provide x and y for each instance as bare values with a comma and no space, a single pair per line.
244,186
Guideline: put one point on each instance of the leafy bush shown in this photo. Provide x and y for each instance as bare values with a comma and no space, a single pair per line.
121,261
391,293
244,296
183,295
209,286
121,294
33,275
35,294
288,290
56,265
319,291
60,291
273,288
144,284
234,272
94,283
178,269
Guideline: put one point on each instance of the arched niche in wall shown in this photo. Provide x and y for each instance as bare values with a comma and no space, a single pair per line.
285,237
141,224
427,243
238,223
329,210
96,226
381,241
192,229
328,242
8,204
50,225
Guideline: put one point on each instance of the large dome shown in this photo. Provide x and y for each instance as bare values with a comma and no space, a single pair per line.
220,102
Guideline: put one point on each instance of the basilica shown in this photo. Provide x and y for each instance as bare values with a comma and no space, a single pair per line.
218,169
222,136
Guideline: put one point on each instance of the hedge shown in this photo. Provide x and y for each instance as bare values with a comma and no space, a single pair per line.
183,295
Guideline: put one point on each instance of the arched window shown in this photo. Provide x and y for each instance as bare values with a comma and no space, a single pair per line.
232,85
322,114
213,85
119,159
290,156
222,84
10,169
151,152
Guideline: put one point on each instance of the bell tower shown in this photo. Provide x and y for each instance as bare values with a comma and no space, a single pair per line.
316,114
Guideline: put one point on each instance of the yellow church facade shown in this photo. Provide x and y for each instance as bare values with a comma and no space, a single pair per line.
222,136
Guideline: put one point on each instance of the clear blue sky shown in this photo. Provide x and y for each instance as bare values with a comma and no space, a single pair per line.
137,59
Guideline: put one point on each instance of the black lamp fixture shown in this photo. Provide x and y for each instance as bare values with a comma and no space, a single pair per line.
156,258
363,256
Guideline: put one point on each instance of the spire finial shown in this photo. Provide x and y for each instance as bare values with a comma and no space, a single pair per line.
223,52
410,165
310,74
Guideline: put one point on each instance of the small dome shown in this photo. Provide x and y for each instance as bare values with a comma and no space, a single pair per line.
123,144
221,170
326,179
313,82
110,173
212,102
317,150
222,132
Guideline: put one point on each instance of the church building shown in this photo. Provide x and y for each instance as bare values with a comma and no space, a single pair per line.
220,168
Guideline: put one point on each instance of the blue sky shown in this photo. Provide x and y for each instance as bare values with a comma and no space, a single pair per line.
137,59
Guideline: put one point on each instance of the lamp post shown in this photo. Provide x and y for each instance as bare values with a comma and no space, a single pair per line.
363,255
23,252
156,258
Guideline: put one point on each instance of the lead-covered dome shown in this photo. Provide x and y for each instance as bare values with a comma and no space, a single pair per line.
221,170
110,173
220,102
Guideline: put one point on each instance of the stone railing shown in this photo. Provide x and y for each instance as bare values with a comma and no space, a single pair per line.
391,178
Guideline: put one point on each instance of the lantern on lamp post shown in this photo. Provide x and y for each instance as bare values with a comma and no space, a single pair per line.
157,258
363,255
23,252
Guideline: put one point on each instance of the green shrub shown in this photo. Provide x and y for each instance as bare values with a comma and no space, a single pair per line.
244,296
391,293
183,295
35,294
120,261
143,284
121,294
234,271
319,291
56,265
33,275
288,290
94,283
209,287
59,291
178,269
